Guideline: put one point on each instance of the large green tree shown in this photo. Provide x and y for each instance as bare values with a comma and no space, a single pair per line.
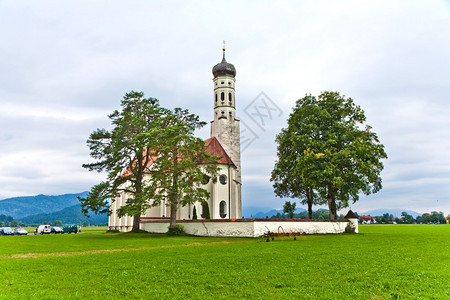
326,150
144,135
287,177
176,176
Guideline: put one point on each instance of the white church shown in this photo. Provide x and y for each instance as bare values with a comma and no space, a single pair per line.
225,190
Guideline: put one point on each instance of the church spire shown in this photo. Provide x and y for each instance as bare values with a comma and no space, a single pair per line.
223,49
224,68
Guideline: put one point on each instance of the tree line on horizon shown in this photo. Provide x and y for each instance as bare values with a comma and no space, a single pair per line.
323,214
8,221
426,218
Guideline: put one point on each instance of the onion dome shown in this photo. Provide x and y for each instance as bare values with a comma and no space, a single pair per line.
224,68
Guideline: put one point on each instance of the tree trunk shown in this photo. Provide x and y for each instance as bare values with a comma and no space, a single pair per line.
309,201
331,203
136,222
332,207
173,215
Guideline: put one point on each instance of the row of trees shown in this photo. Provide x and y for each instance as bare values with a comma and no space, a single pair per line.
288,213
148,139
427,218
9,221
325,155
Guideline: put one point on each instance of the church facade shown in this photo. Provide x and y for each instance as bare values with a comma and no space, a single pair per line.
225,190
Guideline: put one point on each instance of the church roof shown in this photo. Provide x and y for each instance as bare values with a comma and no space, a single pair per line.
350,215
214,148
224,68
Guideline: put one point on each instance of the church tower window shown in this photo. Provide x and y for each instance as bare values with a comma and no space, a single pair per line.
223,179
222,96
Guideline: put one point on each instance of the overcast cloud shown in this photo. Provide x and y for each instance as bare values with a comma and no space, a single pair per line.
65,65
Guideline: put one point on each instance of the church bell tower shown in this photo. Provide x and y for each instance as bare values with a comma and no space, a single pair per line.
225,126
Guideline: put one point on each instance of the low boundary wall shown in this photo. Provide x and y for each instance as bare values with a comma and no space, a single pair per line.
249,227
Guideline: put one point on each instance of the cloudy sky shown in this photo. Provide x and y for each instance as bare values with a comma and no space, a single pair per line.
65,65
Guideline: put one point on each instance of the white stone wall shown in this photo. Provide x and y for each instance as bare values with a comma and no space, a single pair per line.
254,228
307,227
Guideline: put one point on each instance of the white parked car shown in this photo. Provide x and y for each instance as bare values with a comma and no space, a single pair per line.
20,231
43,229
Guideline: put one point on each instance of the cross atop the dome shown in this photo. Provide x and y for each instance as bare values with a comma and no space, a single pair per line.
223,49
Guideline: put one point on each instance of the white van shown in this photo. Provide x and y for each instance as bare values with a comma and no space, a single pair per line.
43,229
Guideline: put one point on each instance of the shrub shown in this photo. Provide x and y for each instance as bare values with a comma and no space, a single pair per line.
205,207
178,229
349,228
194,214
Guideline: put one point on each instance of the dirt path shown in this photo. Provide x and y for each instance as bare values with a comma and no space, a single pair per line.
55,254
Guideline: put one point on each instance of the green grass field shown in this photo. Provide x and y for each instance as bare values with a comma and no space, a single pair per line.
382,262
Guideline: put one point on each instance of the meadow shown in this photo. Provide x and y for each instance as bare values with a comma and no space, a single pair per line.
381,262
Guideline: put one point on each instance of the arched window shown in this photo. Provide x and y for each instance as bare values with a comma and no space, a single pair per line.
216,97
222,96
223,209
229,97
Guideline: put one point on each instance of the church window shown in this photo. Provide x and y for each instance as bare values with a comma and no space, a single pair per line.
223,82
229,97
205,211
229,82
216,98
223,179
205,179
222,96
223,209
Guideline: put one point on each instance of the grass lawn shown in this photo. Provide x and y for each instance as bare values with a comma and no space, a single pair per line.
382,262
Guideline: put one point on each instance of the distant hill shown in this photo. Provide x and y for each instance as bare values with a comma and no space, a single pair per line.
274,212
248,211
396,212
68,215
20,207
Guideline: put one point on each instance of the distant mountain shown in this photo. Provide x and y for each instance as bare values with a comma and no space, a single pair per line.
248,211
396,212
274,212
68,215
19,207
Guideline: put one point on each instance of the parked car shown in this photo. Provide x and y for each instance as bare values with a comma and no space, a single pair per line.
20,231
70,229
6,231
43,229
56,230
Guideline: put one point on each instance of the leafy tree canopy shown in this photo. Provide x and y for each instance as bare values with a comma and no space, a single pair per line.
325,151
289,208
147,139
